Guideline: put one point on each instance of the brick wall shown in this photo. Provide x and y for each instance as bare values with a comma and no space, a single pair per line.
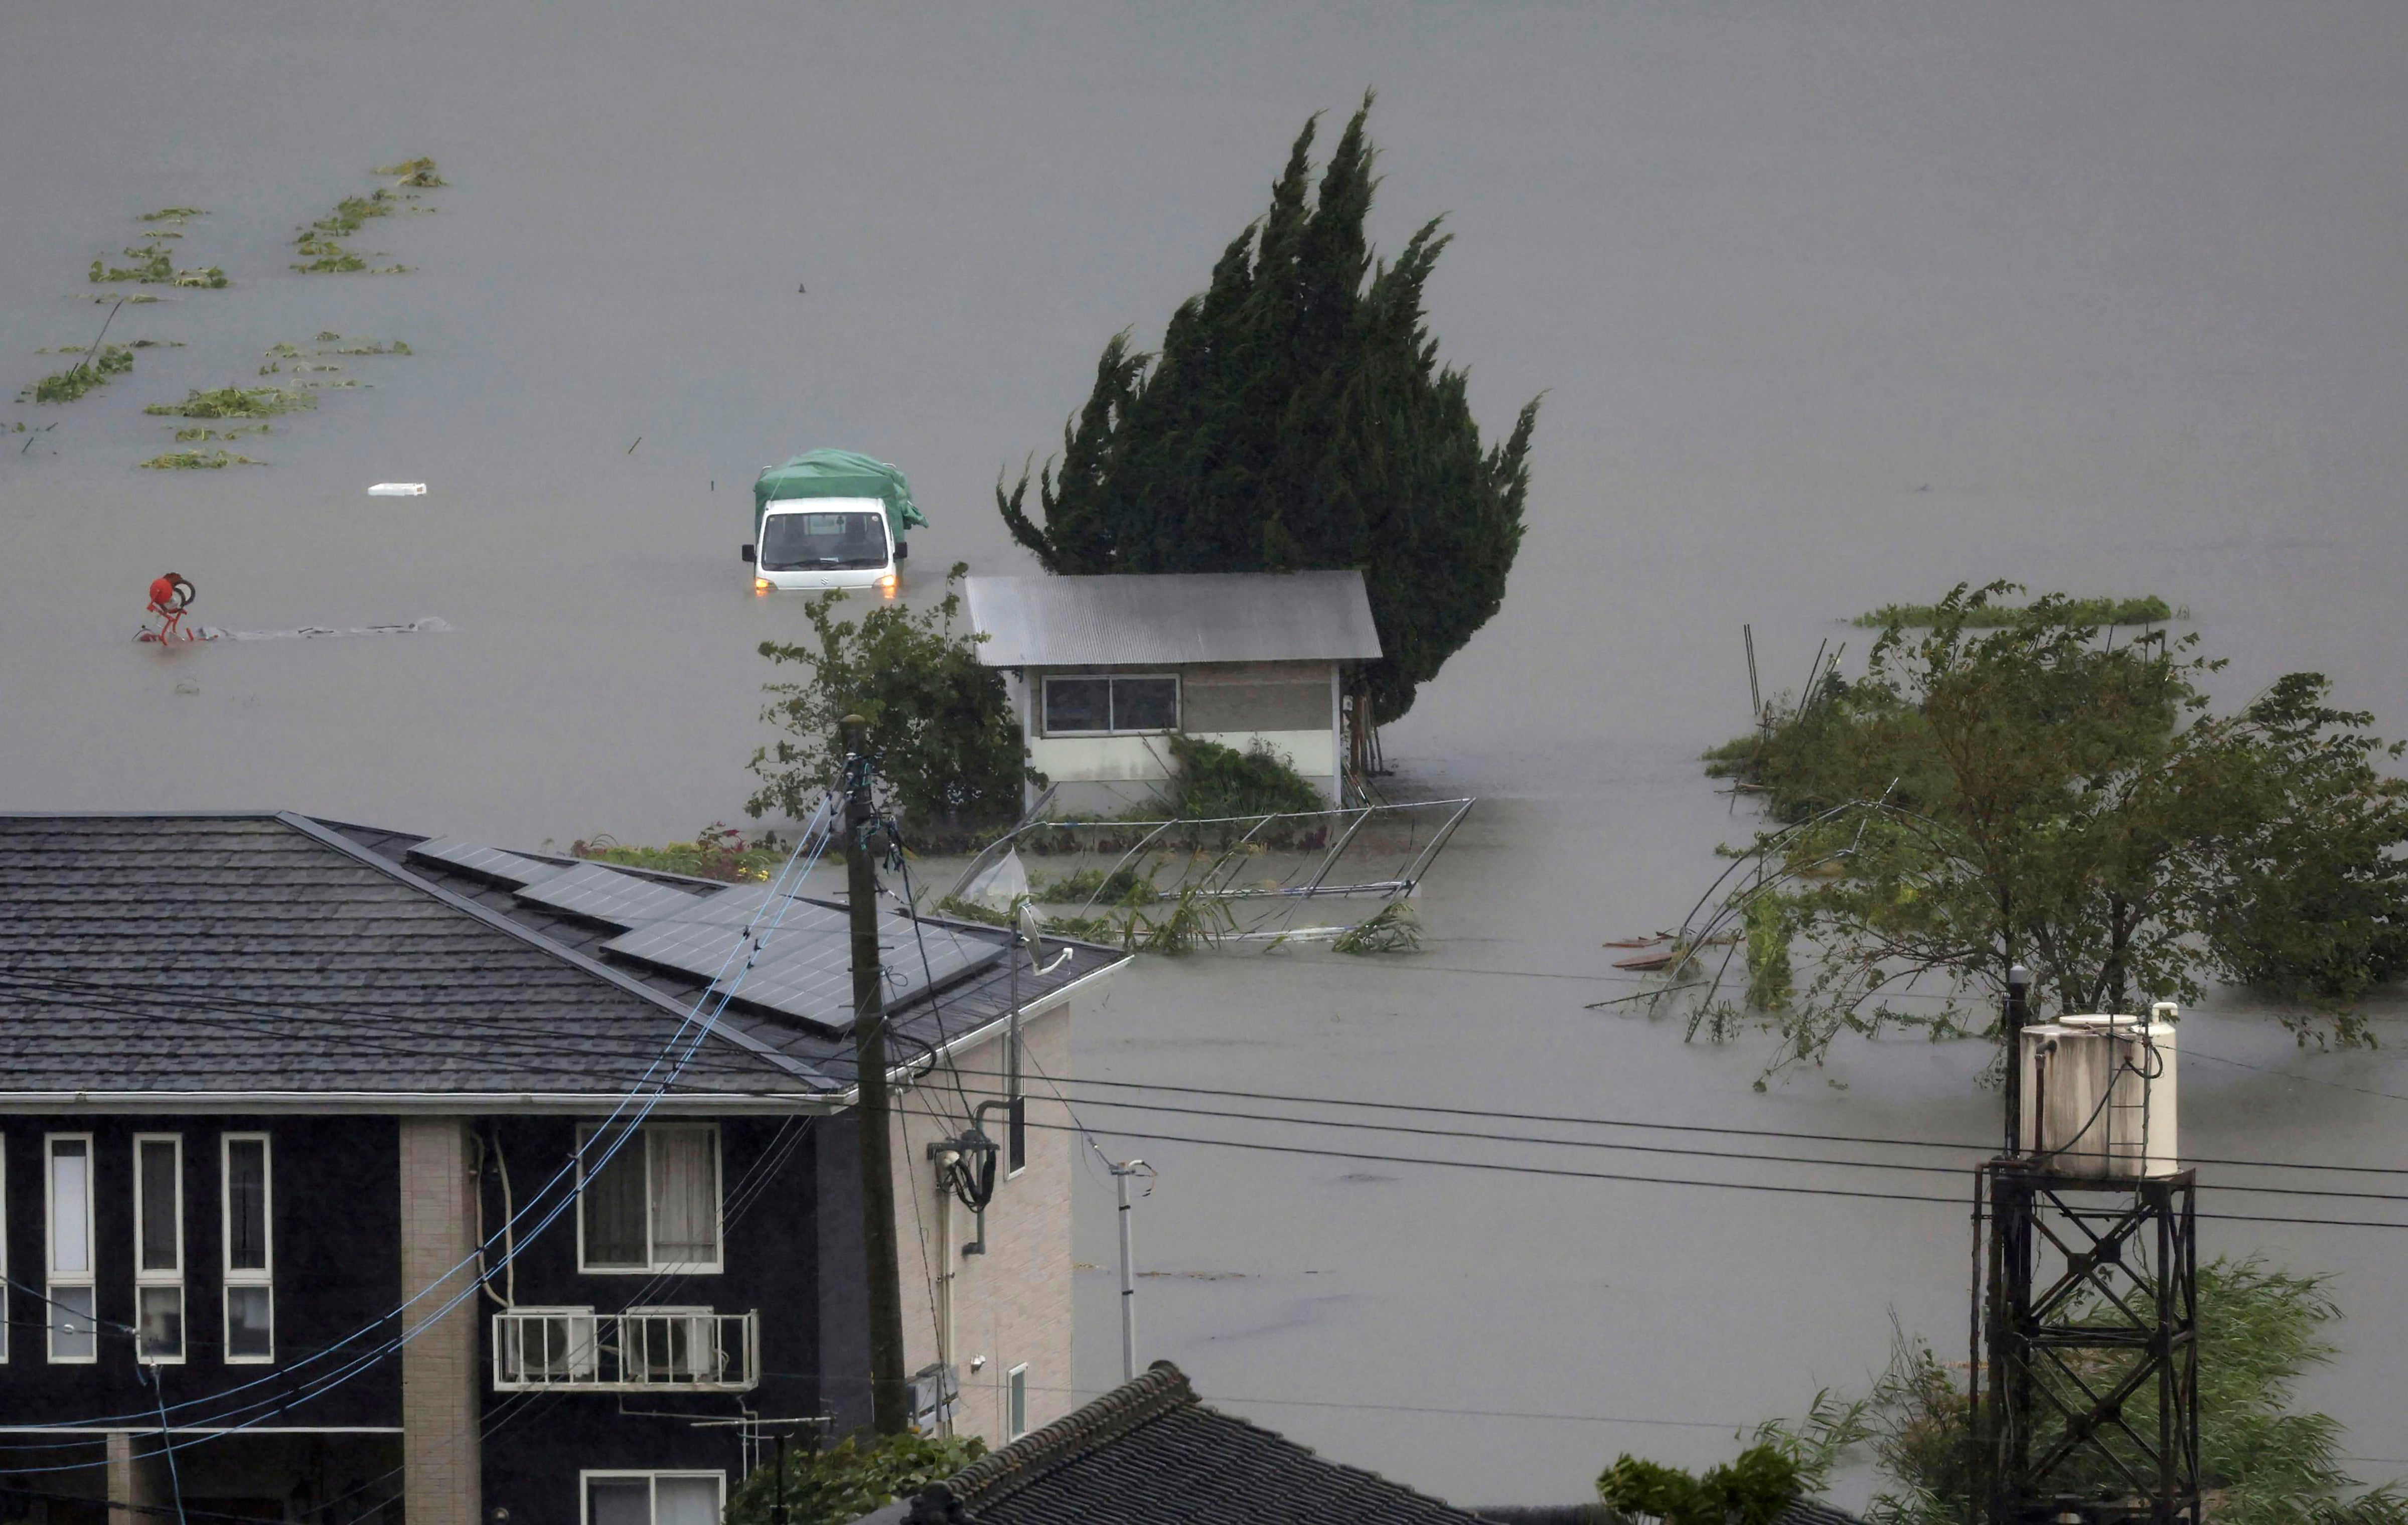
440,1455
1012,1304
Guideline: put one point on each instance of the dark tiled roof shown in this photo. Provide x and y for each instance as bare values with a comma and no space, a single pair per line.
1148,1453
1800,1512
275,953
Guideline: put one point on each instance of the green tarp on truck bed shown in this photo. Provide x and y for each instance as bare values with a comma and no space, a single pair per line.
839,473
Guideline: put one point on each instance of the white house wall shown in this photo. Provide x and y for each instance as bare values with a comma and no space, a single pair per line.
1147,758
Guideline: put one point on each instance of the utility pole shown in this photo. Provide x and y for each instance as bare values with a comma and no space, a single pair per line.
890,1401
1121,1173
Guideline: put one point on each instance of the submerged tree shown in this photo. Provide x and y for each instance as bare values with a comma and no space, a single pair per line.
2261,1461
940,724
2039,793
1298,419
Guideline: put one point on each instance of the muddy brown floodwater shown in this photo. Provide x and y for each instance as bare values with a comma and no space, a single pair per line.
1832,305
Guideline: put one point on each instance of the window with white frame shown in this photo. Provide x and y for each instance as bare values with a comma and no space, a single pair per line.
68,1246
249,1205
1016,1403
651,1205
1112,706
158,1246
652,1498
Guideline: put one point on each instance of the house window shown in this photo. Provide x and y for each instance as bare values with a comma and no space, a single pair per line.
1110,706
249,1250
158,1246
67,1193
1016,1403
652,1498
653,1207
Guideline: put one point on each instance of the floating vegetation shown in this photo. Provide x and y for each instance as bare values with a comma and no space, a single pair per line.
370,347
1395,930
235,402
134,300
320,244
162,233
188,436
152,267
76,380
284,352
2148,610
174,214
418,172
196,460
155,344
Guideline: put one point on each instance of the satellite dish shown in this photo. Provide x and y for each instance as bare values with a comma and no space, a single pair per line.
1030,933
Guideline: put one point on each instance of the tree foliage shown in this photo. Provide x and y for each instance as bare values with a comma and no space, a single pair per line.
2040,794
2261,1461
1297,418
848,1480
940,724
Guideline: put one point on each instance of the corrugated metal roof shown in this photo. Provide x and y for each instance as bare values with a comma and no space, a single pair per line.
1172,618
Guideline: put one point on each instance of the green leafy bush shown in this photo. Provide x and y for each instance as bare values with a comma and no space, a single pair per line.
1215,781
1752,1489
849,1480
949,750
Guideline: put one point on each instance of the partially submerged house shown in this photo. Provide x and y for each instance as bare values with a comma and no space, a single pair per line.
348,1170
1103,670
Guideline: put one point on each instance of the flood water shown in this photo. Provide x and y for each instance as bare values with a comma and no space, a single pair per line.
1832,305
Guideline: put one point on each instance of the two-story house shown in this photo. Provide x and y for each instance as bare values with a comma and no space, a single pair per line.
345,1172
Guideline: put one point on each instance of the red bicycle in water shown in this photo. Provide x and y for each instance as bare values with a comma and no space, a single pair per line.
170,596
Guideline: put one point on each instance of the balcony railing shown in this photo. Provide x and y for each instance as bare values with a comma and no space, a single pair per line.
642,1350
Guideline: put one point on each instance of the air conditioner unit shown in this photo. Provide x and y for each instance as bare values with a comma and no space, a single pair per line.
2098,1094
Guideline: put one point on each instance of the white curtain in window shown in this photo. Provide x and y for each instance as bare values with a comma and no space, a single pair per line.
70,1215
685,1197
685,1501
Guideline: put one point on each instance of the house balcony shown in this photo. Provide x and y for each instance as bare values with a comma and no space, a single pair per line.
642,1350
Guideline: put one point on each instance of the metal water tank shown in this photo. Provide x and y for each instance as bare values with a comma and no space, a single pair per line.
2098,1095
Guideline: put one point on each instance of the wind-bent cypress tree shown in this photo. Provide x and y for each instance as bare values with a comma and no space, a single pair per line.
1298,419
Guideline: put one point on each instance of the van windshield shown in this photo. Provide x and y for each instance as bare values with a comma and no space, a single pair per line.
794,542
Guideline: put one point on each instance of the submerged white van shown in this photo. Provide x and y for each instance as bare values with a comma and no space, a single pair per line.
811,545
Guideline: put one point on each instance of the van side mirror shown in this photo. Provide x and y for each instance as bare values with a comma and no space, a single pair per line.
748,555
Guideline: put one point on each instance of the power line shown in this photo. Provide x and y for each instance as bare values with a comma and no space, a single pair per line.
1499,1116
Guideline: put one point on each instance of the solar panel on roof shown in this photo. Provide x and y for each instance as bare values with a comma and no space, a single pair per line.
803,966
600,893
485,862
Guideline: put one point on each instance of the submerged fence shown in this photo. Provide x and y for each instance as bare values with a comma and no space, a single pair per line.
1247,878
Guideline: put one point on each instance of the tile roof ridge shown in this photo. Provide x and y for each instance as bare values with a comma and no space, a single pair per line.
1162,1389
318,832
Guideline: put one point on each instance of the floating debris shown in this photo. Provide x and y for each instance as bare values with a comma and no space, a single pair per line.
186,436
320,245
76,380
419,172
399,489
196,460
235,402
174,214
